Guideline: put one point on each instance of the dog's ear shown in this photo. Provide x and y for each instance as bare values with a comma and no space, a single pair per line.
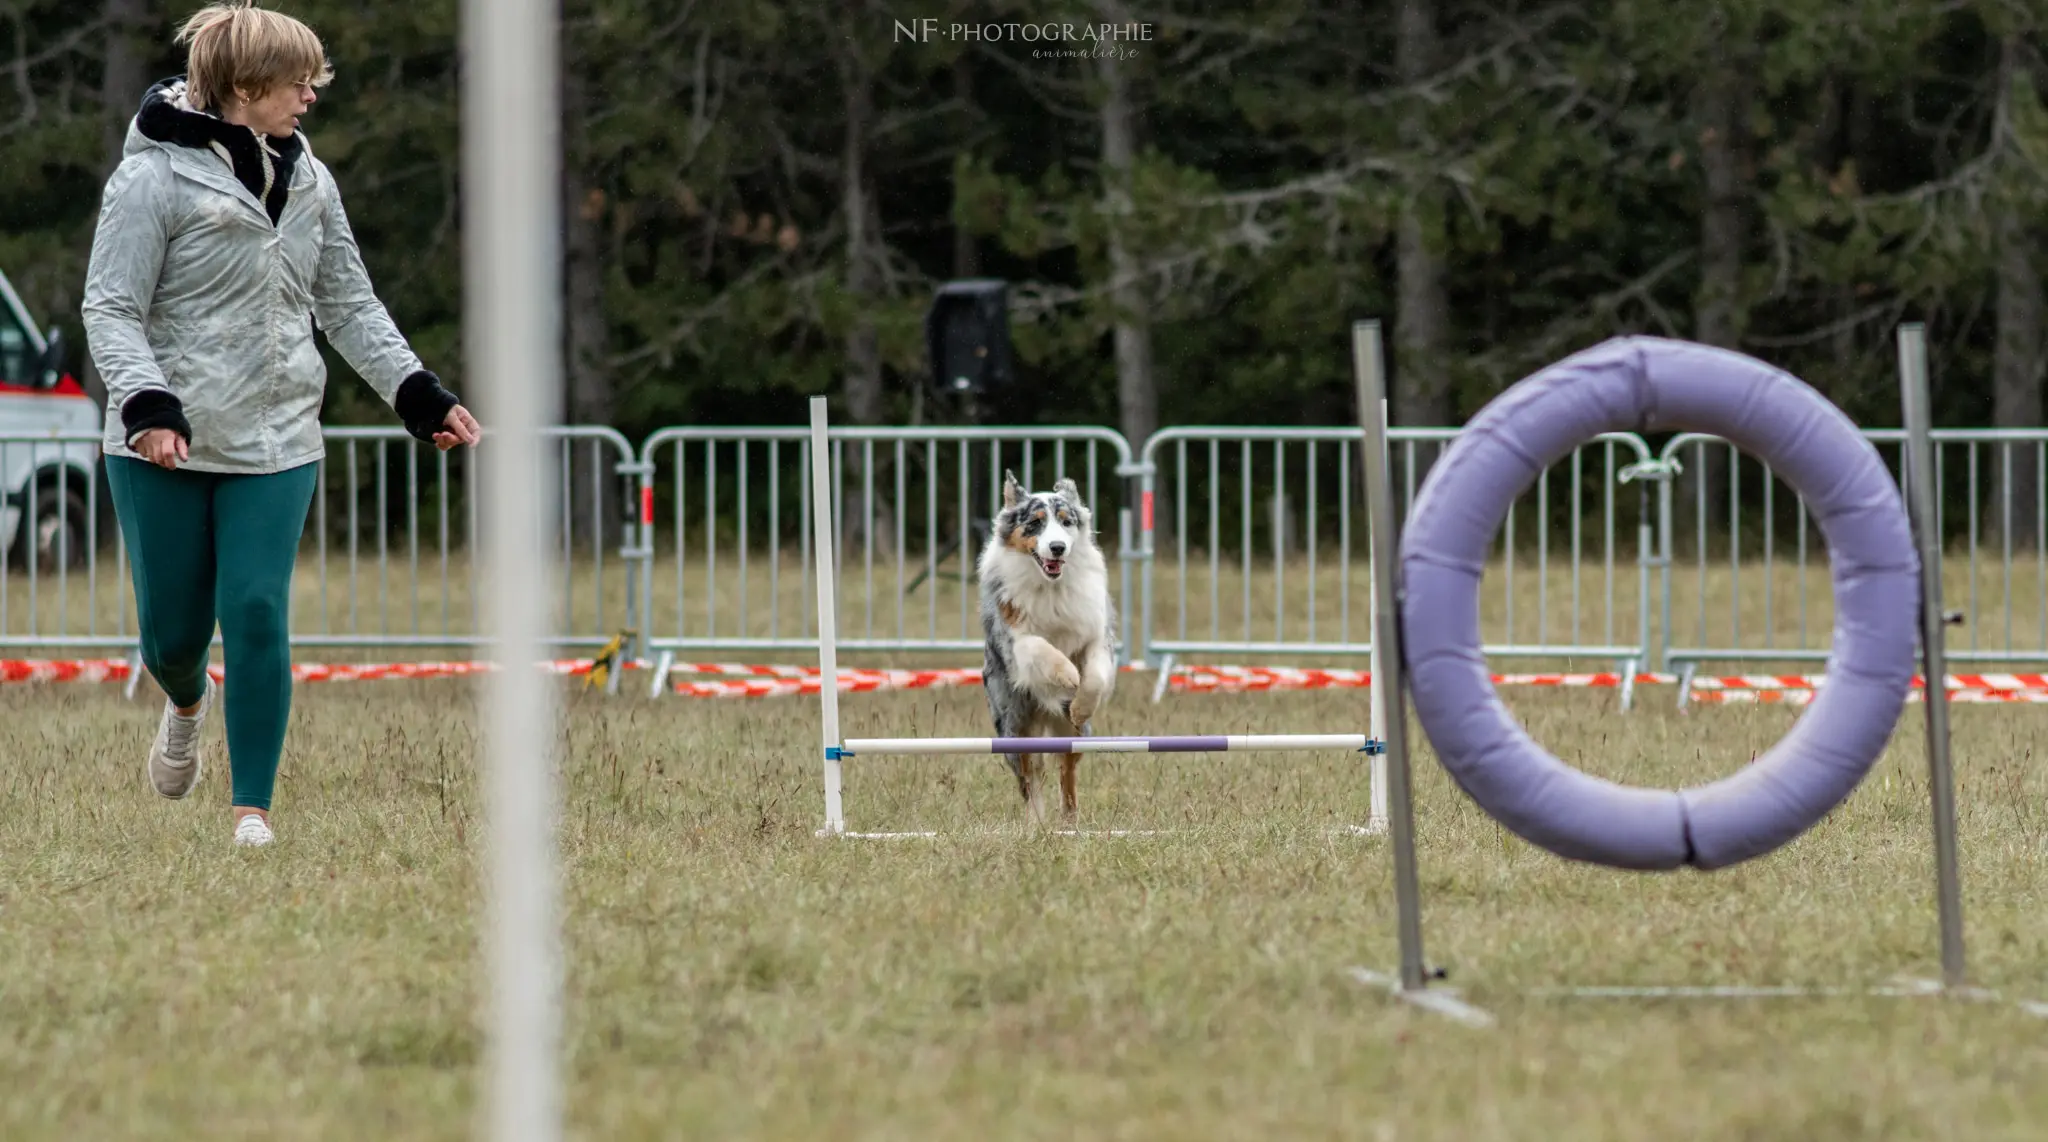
1067,490
1012,494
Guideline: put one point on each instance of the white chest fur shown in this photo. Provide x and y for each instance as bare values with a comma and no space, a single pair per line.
1067,615
1070,614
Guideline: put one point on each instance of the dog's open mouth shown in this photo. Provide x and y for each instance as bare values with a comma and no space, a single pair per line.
1051,567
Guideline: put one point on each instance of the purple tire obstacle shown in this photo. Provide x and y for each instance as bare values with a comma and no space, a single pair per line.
1646,384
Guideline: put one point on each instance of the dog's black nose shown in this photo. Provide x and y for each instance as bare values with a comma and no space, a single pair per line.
1058,549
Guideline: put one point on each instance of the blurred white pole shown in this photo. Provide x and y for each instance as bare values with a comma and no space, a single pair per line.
511,320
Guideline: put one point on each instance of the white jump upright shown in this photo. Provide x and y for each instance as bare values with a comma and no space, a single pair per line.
837,749
822,530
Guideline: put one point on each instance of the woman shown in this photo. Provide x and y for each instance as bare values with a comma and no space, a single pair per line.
219,236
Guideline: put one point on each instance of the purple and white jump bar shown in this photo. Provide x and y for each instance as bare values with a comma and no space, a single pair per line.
1230,743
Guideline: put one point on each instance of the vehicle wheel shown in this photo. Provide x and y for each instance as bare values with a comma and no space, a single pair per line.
58,531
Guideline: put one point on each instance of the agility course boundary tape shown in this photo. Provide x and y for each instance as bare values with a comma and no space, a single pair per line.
771,680
1806,697
1202,678
117,670
1310,678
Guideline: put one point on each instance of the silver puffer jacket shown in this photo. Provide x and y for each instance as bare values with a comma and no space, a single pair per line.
216,253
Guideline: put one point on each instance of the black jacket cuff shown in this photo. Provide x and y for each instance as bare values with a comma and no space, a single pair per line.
154,408
422,405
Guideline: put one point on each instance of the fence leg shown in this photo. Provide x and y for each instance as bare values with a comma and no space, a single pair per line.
134,673
1629,666
1123,602
634,549
1685,673
1165,677
1143,471
663,663
629,648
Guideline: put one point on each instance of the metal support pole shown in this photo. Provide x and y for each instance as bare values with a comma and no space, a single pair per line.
1376,815
1646,554
1368,365
1665,507
1124,554
1147,482
1941,789
638,553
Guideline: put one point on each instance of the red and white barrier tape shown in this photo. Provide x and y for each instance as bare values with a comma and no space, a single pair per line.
1215,678
1806,697
116,670
40,670
1813,681
857,680
853,681
757,680
1205,679
745,668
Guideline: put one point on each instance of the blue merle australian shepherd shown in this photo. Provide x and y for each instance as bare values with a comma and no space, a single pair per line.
1050,660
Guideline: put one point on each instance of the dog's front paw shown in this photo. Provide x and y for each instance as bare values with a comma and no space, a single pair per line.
1081,709
1065,675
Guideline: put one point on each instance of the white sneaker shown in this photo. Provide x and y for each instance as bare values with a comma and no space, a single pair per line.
251,830
174,763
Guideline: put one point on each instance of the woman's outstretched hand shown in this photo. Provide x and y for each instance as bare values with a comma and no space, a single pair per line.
462,429
162,447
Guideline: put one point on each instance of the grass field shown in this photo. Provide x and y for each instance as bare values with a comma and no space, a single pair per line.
733,976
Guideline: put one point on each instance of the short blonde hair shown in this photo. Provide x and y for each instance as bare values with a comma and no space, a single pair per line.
237,46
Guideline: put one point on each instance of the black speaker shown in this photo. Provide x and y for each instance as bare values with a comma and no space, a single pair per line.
967,335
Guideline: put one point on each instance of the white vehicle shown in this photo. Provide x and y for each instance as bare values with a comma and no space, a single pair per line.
49,446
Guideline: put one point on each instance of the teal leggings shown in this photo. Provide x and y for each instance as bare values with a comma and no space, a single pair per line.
203,548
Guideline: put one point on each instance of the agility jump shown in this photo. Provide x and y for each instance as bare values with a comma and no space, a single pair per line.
837,749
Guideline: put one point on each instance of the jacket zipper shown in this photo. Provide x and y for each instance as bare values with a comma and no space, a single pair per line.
268,438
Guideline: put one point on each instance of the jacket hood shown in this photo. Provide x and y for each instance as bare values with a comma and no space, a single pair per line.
167,116
168,120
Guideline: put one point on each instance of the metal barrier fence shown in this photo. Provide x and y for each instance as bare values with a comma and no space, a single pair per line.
56,588
385,561
417,507
1226,541
1301,549
726,528
1742,557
